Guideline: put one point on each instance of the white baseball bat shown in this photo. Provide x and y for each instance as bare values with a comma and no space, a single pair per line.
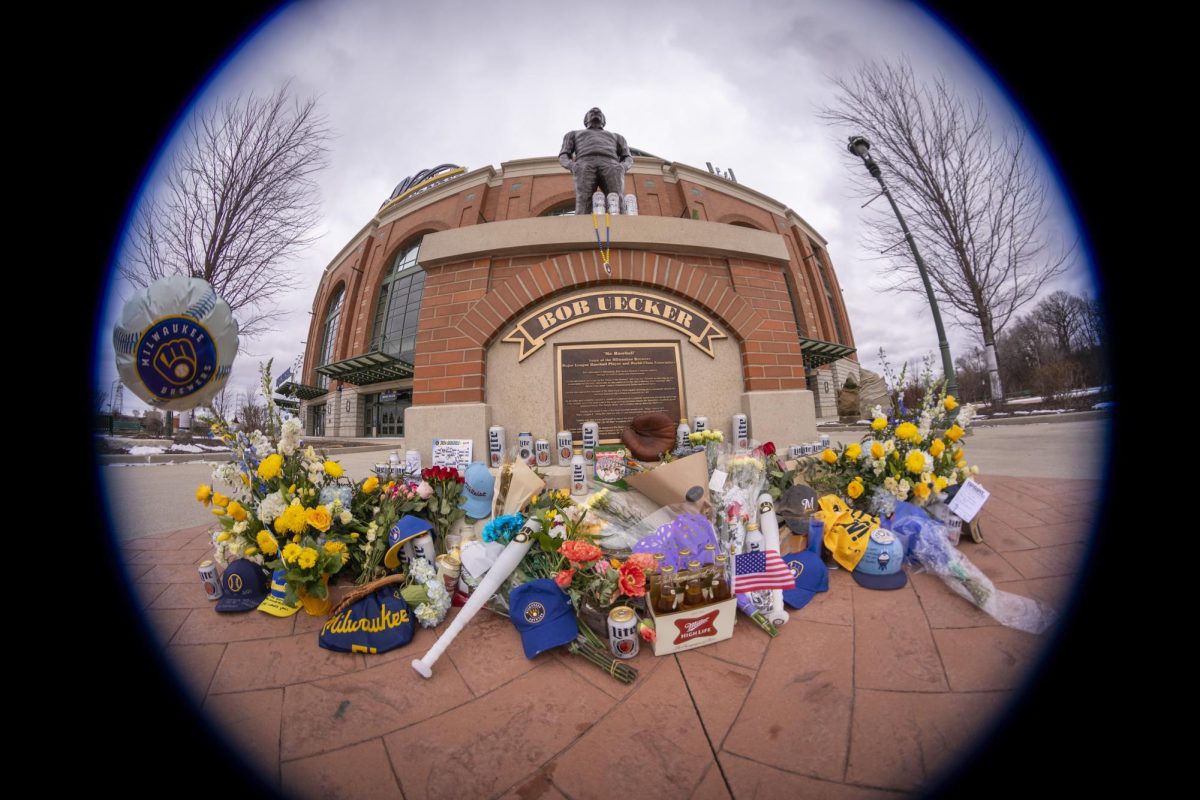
507,561
768,525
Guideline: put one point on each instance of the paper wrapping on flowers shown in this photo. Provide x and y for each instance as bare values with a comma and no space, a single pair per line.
670,482
925,542
735,487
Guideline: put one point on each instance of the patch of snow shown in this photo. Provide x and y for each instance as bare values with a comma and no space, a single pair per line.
145,451
1047,411
1100,406
1002,414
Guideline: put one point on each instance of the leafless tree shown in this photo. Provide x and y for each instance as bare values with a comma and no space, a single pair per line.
222,402
1061,313
973,197
239,200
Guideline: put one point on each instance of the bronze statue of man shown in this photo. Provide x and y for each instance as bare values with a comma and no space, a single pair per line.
595,156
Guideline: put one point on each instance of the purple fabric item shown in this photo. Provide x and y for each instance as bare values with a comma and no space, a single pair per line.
691,531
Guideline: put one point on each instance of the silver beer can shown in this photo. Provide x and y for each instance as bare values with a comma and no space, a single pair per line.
824,440
631,205
541,450
598,202
496,445
591,438
566,447
741,431
525,447
412,461
614,204
622,632
208,576
578,476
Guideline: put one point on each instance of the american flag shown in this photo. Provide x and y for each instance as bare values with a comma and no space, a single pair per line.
757,571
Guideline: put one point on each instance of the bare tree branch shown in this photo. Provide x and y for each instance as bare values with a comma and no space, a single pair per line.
238,202
973,199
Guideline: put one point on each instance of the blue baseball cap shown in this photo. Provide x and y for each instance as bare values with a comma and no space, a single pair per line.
275,603
811,576
409,527
374,624
478,486
243,586
543,616
881,565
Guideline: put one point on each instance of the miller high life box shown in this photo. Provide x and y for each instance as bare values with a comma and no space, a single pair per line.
692,628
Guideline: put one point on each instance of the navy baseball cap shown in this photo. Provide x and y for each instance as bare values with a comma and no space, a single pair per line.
881,565
543,615
409,527
243,586
374,624
811,576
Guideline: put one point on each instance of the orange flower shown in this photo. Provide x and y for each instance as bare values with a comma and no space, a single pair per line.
578,552
632,580
563,578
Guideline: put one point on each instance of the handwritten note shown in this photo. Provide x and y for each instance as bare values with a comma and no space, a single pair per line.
452,453
969,499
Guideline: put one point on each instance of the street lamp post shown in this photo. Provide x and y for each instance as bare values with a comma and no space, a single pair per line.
860,147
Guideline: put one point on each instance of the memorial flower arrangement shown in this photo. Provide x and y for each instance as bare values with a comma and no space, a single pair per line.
392,501
426,594
442,488
309,564
913,456
779,476
711,441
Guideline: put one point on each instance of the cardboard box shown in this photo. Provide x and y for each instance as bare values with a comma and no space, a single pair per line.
692,628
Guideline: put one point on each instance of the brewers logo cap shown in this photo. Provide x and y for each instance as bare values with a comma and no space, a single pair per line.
243,585
543,615
409,527
811,576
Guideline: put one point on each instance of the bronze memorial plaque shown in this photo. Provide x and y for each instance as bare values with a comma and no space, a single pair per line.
613,383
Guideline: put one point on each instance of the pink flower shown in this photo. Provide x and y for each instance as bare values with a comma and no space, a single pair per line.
632,580
563,578
424,490
643,561
602,566
647,631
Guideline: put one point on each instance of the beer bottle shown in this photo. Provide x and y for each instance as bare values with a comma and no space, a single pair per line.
693,593
667,591
656,577
720,579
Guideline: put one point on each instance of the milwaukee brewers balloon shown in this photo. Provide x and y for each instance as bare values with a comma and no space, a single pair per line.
175,343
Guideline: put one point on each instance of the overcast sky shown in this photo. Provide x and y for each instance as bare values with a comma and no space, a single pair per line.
407,86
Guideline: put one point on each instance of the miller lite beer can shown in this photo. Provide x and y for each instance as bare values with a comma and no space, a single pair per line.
622,632
496,445
591,438
806,449
824,440
565,448
741,431
578,476
541,450
525,447
598,202
412,461
795,451
631,205
699,424
614,204
208,576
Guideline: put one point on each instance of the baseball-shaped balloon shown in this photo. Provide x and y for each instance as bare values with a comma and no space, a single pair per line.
175,343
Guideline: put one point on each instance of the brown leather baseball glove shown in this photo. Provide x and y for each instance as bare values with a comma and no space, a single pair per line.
649,436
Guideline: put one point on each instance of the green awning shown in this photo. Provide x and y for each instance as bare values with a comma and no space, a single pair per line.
300,390
374,367
818,353
283,402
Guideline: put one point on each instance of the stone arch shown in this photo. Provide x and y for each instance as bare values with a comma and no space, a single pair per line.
550,202
741,220
487,318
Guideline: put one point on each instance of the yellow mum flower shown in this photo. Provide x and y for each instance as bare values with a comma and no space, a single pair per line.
879,423
335,547
224,537
828,456
370,484
907,432
319,517
333,469
236,511
921,490
855,489
854,451
291,552
307,558
204,493
937,448
292,520
270,467
940,483
877,450
955,433
267,543
914,462
950,403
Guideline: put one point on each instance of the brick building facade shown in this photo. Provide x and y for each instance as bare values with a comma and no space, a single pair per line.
413,320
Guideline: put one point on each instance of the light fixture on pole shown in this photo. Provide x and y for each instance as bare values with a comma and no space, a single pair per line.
860,147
